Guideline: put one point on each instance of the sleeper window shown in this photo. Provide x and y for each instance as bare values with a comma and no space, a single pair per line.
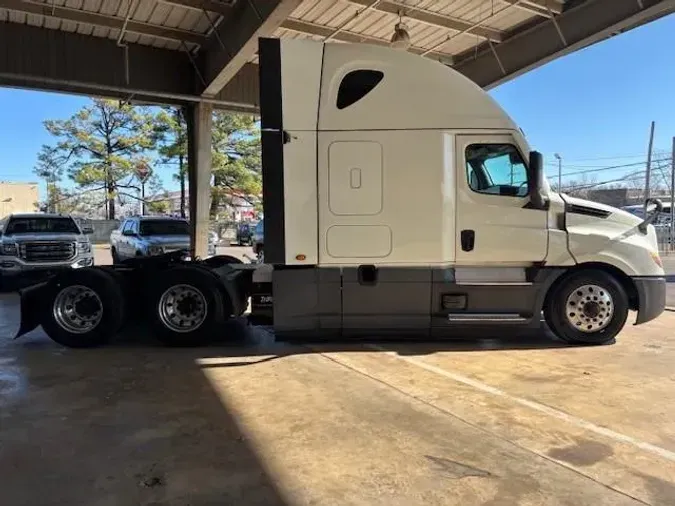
356,85
496,169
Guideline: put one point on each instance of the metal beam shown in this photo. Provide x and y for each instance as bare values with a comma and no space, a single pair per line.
244,88
219,7
235,40
299,26
544,8
41,58
93,18
582,25
432,18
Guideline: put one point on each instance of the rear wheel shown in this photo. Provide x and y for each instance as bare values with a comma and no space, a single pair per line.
588,307
86,308
188,307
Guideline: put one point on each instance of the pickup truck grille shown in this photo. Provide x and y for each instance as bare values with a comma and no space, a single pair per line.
47,251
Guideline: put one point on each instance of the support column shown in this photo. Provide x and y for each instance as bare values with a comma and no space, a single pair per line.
199,118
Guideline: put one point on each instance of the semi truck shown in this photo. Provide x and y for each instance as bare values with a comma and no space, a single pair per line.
399,199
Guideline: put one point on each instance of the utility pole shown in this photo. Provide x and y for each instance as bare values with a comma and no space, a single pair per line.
649,168
672,197
559,158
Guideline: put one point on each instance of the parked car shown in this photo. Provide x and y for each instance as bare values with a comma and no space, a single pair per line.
36,244
141,236
245,234
258,239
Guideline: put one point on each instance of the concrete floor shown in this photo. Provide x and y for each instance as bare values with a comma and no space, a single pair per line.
519,420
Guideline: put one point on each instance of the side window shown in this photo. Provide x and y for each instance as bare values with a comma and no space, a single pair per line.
356,85
496,169
128,226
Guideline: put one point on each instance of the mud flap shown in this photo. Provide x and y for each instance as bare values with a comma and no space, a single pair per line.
31,308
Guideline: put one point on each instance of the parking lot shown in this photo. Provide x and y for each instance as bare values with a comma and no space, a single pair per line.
507,420
102,253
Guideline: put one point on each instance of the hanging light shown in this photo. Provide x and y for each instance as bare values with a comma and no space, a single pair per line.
401,38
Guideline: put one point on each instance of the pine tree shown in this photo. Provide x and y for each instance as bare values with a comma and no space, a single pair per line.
107,141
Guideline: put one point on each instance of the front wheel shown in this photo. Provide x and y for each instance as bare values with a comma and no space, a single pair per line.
587,307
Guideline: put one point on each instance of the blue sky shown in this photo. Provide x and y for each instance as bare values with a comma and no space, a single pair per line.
593,106
599,102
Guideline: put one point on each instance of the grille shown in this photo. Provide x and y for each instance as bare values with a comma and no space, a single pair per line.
47,251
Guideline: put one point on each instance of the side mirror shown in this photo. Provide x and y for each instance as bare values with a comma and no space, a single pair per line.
128,233
535,181
87,229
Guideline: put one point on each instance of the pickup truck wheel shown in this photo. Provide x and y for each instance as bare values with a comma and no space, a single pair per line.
85,308
587,307
115,256
188,307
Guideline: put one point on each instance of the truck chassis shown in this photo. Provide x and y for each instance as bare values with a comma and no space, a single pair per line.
187,303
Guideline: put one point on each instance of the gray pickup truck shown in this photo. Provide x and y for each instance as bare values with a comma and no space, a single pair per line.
142,236
36,244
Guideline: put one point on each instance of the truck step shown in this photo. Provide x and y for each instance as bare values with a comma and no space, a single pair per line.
488,318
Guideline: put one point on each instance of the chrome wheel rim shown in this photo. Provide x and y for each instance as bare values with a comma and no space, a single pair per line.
182,308
589,308
77,309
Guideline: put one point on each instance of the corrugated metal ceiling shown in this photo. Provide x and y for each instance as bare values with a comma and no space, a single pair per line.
314,19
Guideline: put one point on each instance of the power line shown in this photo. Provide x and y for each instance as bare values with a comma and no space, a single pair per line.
612,167
618,157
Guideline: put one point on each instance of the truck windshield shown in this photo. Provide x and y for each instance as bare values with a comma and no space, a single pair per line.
164,227
41,225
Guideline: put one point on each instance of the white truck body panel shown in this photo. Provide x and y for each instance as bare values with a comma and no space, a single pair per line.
411,198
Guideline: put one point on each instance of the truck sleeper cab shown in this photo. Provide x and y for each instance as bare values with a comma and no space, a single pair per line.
399,199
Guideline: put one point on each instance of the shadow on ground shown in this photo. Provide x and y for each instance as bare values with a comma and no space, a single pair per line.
135,423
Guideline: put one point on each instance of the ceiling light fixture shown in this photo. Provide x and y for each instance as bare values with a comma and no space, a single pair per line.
401,38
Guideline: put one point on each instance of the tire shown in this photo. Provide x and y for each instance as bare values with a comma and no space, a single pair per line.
220,260
85,308
115,256
203,309
594,291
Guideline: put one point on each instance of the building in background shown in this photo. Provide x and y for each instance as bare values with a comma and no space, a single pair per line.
238,208
18,198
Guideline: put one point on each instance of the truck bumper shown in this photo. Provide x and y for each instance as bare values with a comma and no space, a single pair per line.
16,274
651,297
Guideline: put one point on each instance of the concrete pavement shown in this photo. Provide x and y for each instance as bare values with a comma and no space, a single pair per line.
510,420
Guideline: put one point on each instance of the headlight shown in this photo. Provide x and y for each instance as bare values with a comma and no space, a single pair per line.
83,247
9,249
155,250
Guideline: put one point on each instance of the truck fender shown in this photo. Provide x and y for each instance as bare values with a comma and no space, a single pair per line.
30,308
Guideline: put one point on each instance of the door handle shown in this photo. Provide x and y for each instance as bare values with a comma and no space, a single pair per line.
468,239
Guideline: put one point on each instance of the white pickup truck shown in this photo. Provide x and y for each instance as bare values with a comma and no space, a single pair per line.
143,236
35,245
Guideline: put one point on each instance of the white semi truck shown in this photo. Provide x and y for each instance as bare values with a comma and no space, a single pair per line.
399,198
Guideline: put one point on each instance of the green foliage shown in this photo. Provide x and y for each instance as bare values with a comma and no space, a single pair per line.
158,207
50,166
236,159
171,131
107,141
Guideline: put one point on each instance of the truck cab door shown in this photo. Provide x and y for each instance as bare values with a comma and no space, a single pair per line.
495,222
